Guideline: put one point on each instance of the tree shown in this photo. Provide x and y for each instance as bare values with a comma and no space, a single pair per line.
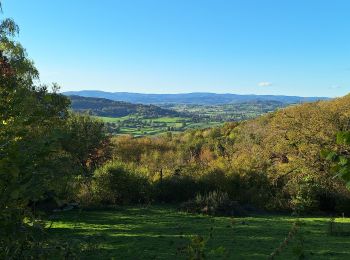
341,157
86,141
31,122
42,145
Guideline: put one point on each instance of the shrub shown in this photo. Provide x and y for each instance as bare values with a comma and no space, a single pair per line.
176,189
85,195
213,180
214,203
116,184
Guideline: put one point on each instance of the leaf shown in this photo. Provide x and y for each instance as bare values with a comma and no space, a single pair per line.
343,138
15,194
324,153
343,161
345,173
332,156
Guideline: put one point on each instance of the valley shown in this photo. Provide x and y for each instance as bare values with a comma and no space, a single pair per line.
122,117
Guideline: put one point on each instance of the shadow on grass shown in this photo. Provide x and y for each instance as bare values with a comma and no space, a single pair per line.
160,232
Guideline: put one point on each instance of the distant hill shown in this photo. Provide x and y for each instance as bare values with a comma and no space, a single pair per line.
110,108
190,98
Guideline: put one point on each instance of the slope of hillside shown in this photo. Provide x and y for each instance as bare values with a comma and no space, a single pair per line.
109,108
190,98
273,161
286,146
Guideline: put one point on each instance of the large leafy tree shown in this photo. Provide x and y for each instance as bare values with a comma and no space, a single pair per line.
30,122
40,140
30,127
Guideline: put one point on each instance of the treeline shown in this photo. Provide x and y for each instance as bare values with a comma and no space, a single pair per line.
109,108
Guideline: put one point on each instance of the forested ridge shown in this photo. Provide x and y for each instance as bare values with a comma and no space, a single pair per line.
109,108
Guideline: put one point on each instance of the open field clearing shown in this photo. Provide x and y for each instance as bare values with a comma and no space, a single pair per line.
164,233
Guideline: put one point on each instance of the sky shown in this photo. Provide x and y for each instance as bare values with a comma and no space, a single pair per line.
289,47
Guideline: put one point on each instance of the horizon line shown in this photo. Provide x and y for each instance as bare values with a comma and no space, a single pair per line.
184,93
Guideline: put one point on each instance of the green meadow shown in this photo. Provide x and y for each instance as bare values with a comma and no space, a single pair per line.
141,126
162,232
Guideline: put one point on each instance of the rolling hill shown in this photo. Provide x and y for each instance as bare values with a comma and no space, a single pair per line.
190,98
109,108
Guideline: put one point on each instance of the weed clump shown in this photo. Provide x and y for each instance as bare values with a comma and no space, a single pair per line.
215,203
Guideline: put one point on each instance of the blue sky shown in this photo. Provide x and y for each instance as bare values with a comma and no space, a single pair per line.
290,47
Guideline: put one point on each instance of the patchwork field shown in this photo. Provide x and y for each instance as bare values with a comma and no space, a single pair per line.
142,120
140,126
165,233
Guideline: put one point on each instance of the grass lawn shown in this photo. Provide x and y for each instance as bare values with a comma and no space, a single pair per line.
161,232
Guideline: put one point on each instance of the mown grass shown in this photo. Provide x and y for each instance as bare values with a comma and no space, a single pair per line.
162,233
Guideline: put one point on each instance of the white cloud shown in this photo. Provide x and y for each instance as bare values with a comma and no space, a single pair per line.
264,84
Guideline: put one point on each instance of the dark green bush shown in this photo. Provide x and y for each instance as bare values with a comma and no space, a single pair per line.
116,183
214,203
175,189
213,180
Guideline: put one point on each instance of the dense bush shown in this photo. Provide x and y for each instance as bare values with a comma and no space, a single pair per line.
175,189
213,203
116,183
